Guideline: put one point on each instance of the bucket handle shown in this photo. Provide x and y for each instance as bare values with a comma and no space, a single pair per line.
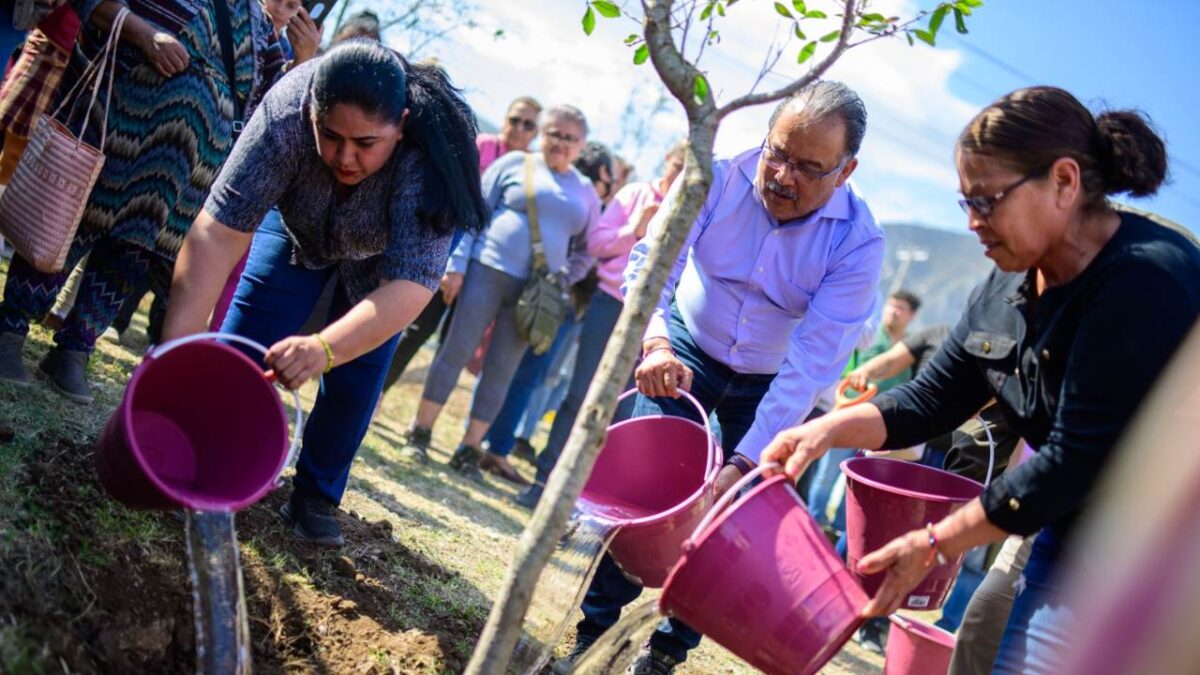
297,434
714,465
991,449
844,401
725,499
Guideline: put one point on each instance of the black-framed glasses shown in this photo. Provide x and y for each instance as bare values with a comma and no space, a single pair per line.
524,123
985,205
777,161
557,135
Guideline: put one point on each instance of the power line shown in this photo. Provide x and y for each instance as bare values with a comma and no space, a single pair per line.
1000,63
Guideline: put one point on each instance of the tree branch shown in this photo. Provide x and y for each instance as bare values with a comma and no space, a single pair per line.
808,78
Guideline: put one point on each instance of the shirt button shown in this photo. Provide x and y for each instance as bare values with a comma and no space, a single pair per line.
987,347
745,321
733,349
760,269
1014,504
1045,354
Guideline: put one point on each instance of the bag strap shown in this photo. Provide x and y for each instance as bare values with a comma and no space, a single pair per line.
93,76
225,37
535,231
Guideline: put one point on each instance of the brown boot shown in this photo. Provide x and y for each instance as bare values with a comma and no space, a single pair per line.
499,466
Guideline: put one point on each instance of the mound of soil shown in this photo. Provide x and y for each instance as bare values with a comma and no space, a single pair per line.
114,603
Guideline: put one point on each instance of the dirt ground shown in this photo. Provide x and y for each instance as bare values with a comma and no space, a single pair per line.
88,586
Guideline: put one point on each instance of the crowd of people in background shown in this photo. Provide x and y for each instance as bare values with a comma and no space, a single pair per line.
339,206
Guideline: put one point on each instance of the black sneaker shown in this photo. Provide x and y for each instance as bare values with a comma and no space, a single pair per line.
653,662
67,372
416,444
465,461
530,497
312,519
524,450
564,665
871,636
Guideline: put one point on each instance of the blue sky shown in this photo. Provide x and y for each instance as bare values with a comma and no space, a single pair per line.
1119,54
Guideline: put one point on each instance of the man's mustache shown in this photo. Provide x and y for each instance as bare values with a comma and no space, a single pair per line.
780,190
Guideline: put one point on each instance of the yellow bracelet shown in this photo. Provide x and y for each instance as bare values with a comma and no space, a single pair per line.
328,351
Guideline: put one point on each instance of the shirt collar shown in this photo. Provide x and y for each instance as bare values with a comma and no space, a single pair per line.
838,207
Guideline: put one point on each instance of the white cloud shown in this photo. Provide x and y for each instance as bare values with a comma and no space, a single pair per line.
914,117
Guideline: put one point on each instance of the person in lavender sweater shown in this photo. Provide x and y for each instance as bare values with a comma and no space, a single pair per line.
761,310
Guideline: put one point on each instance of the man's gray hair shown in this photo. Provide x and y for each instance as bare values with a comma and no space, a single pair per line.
566,113
826,98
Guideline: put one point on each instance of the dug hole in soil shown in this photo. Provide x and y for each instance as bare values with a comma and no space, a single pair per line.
101,604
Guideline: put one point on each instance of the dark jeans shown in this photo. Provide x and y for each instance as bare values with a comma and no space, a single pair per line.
273,300
598,323
733,399
1041,625
502,435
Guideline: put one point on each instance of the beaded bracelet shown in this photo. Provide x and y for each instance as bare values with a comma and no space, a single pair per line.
328,351
934,553
742,464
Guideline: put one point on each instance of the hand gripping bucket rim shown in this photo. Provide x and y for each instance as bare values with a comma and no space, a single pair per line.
713,521
148,472
713,461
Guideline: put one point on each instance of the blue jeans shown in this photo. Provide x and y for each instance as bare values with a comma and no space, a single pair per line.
821,488
597,326
530,375
272,301
733,399
1041,624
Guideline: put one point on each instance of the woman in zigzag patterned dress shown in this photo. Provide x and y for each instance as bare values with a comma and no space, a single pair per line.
171,125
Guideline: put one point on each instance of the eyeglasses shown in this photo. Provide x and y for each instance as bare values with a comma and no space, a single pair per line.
526,124
777,161
984,206
557,135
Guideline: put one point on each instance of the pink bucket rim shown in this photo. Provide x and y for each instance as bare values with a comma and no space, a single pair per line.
135,450
691,498
847,467
924,630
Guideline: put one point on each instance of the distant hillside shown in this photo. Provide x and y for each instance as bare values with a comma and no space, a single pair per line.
954,264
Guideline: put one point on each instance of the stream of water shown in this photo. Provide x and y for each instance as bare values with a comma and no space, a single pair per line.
218,599
618,646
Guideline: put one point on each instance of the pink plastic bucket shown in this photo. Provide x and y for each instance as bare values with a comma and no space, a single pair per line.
762,580
654,478
199,427
916,648
886,498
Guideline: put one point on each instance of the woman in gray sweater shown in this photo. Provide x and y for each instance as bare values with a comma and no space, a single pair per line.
489,271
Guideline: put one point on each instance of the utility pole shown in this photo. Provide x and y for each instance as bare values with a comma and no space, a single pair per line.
907,255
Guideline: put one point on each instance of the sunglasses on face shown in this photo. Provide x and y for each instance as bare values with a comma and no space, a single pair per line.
522,123
985,205
556,135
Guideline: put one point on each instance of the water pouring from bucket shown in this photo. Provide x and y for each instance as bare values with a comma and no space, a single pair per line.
200,427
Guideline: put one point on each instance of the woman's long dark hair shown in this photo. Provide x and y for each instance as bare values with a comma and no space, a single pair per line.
376,79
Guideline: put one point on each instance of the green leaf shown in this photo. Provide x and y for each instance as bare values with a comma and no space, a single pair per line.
640,56
720,9
963,7
699,89
799,33
707,11
830,37
633,37
874,18
783,11
960,24
925,36
801,8
807,52
607,9
935,21
816,14
909,36
974,3
589,21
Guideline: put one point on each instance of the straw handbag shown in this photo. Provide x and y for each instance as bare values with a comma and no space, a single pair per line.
41,208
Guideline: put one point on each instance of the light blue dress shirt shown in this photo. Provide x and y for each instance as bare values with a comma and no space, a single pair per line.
764,297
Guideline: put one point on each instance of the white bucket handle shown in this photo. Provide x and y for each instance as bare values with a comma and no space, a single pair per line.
730,495
991,449
297,434
714,463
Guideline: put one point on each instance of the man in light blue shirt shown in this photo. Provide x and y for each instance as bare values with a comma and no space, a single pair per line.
762,309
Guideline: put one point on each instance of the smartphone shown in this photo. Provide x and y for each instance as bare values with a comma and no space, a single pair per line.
319,9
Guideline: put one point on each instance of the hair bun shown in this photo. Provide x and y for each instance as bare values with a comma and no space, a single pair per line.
1135,158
